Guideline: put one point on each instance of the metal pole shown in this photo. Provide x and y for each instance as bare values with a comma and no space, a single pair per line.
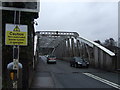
16,54
18,45
14,17
14,59
19,16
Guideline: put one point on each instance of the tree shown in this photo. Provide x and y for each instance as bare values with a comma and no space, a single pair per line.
112,42
109,42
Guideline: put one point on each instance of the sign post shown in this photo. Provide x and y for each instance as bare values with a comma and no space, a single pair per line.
16,35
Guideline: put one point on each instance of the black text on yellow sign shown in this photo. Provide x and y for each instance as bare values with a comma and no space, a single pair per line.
16,38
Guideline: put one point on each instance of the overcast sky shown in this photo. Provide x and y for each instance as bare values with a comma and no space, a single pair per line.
92,20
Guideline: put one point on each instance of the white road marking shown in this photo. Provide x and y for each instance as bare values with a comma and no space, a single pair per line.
103,80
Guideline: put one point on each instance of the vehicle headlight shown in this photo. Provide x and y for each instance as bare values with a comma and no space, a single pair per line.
79,63
87,62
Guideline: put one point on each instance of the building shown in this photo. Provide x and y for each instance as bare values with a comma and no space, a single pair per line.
19,13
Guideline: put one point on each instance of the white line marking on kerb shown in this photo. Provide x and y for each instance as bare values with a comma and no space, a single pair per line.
103,80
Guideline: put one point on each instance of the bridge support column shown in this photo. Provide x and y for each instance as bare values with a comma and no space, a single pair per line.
68,47
96,57
64,48
60,50
73,47
78,48
82,49
57,51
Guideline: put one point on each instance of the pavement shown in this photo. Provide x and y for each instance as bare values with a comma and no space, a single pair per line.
43,82
42,78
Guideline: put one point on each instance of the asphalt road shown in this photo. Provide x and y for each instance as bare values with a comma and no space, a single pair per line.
61,75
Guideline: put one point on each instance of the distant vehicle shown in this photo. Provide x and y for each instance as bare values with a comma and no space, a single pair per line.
51,59
79,62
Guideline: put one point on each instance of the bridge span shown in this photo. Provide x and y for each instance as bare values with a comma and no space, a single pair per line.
65,45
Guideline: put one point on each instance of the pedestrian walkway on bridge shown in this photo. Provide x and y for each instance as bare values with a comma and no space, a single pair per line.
42,78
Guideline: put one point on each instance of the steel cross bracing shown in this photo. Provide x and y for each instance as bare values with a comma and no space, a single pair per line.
49,42
51,39
56,33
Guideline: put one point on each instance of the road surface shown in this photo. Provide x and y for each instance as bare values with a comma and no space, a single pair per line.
61,75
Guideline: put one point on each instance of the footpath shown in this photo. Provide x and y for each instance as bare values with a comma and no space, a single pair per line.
42,77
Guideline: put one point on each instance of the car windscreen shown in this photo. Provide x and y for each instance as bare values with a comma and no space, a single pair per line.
79,59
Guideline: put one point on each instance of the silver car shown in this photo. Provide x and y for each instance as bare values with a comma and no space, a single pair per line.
51,59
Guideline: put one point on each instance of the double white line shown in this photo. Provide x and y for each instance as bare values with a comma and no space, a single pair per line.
103,80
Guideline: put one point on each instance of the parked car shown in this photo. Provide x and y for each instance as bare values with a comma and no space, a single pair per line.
51,59
79,62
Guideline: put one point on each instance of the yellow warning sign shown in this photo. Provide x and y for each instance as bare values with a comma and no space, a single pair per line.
16,29
16,36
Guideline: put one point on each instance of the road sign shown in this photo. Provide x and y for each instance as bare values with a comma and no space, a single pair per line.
16,34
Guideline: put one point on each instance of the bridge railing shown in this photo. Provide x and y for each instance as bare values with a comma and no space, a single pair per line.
98,56
102,57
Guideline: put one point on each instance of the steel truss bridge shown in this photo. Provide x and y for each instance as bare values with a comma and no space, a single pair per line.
65,45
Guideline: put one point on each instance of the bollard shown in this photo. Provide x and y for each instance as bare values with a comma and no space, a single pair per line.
14,76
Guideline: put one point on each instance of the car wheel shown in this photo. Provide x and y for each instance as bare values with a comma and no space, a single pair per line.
76,65
87,66
71,65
